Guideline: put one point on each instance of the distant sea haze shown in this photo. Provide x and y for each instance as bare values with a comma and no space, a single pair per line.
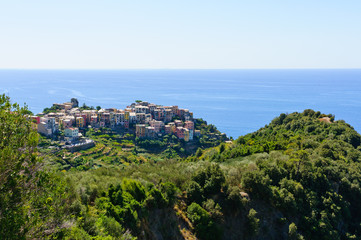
236,101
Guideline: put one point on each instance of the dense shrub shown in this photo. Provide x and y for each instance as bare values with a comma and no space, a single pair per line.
210,179
204,226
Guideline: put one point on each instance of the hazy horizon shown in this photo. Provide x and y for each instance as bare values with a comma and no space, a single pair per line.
140,69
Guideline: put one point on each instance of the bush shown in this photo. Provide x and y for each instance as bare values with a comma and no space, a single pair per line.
253,222
135,188
292,232
155,199
234,197
194,192
169,191
111,226
78,234
204,226
213,209
210,179
257,183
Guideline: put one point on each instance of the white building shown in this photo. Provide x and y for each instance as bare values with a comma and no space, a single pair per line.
71,133
47,126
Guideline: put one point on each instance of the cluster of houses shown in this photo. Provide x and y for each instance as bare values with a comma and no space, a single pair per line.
147,120
183,130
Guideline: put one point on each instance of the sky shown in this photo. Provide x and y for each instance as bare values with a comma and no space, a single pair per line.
212,34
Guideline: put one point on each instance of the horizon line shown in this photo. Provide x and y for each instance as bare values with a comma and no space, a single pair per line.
146,69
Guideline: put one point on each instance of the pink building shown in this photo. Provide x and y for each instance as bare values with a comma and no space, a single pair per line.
93,120
168,115
178,123
175,110
158,125
67,123
180,132
189,125
167,129
85,117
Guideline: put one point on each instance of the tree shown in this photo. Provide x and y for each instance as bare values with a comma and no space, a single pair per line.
98,107
204,226
74,102
253,222
18,168
53,108
194,192
210,179
199,153
32,201
222,147
86,107
292,232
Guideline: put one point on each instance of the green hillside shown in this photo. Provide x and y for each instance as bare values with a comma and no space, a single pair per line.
305,173
297,178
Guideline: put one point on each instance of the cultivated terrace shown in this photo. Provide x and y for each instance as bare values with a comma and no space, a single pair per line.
142,131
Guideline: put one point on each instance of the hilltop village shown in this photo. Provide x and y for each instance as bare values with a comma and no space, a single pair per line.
143,119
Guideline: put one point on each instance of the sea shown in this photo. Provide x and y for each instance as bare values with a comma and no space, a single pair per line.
237,102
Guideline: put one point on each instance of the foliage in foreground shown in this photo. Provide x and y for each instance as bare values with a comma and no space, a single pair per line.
297,178
31,200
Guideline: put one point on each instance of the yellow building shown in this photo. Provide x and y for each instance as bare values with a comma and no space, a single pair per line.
80,122
186,134
140,130
126,116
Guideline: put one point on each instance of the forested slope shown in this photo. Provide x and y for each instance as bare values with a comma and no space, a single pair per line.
297,178
307,174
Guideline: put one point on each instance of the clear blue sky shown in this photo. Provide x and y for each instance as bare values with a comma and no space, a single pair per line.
94,34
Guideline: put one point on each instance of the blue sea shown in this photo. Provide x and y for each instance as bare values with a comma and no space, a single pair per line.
236,101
